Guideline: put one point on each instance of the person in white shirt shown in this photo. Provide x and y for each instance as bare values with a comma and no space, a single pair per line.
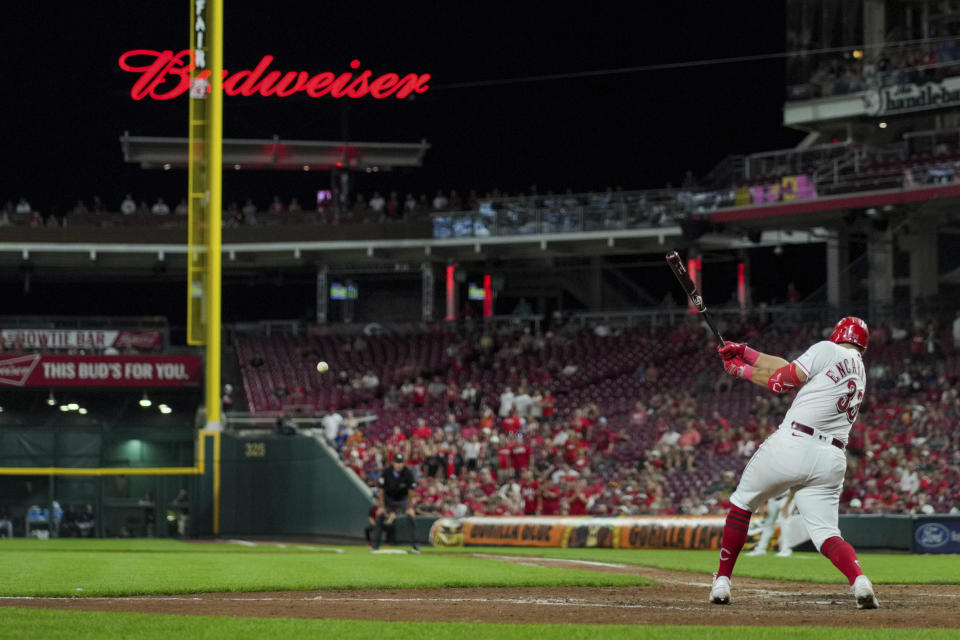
440,201
370,380
506,402
521,402
23,206
129,206
377,203
331,425
536,405
807,452
160,208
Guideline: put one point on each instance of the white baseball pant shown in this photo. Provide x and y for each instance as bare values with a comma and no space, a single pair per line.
788,459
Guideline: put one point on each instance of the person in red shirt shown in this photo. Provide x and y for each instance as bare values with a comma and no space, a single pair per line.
724,445
419,393
520,454
422,431
530,492
504,458
395,442
512,423
487,484
550,498
638,417
578,498
548,405
453,396
572,448
579,423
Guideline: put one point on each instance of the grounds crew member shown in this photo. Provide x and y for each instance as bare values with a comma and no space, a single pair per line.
395,495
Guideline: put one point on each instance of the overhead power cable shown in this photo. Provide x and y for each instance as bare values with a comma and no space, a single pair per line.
691,64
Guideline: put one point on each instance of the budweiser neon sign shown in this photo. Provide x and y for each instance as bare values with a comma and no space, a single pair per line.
165,75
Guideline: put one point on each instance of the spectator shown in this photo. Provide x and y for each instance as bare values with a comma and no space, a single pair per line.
393,207
294,206
377,205
160,208
506,402
6,521
370,380
181,208
276,205
249,212
331,424
409,205
226,400
440,201
23,207
85,522
129,206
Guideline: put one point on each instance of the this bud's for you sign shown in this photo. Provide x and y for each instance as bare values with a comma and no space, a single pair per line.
42,370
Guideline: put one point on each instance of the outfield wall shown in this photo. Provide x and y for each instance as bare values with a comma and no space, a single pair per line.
920,534
288,485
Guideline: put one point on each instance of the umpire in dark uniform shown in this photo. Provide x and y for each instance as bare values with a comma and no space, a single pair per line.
396,493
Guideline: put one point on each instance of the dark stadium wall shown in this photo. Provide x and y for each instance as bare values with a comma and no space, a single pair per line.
288,485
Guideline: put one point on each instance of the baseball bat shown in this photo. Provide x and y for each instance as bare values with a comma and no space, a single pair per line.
691,290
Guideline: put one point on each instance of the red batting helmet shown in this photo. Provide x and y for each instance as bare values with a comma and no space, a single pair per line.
852,330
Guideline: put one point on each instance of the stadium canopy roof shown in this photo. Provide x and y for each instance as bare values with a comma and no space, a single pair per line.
152,152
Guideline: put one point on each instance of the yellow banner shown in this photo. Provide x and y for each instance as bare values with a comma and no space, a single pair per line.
631,532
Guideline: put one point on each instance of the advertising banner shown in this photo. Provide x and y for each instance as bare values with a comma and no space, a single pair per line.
905,98
82,339
634,532
44,370
940,535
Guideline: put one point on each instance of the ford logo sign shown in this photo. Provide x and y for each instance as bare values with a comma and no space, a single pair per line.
932,535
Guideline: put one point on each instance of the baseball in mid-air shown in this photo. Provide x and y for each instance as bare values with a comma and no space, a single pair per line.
322,366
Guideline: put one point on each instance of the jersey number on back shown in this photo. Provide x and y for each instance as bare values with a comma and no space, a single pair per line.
850,403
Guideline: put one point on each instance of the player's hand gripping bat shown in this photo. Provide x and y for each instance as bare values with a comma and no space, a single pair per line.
691,289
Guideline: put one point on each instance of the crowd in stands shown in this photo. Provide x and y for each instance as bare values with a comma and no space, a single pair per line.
896,65
633,422
375,207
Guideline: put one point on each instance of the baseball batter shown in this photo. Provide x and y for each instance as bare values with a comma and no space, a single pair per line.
806,453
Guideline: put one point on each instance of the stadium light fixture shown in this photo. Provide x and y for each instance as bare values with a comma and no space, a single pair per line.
882,125
73,406
164,409
64,408
50,399
82,411
1,409
145,400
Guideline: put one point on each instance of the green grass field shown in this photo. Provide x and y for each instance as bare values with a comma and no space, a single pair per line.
52,625
130,567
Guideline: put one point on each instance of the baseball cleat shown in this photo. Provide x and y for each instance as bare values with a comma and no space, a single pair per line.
863,591
415,549
785,553
720,593
756,552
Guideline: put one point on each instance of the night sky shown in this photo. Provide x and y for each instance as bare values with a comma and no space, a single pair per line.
65,100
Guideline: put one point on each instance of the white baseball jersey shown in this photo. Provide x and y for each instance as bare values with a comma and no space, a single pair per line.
830,399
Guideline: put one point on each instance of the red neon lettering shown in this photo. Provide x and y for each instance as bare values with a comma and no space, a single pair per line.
319,84
380,88
164,75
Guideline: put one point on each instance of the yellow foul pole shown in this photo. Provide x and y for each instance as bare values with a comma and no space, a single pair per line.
214,213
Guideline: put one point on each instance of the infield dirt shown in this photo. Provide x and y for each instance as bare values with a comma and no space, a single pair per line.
678,598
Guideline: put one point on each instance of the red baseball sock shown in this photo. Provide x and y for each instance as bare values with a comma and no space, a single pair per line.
734,535
842,555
